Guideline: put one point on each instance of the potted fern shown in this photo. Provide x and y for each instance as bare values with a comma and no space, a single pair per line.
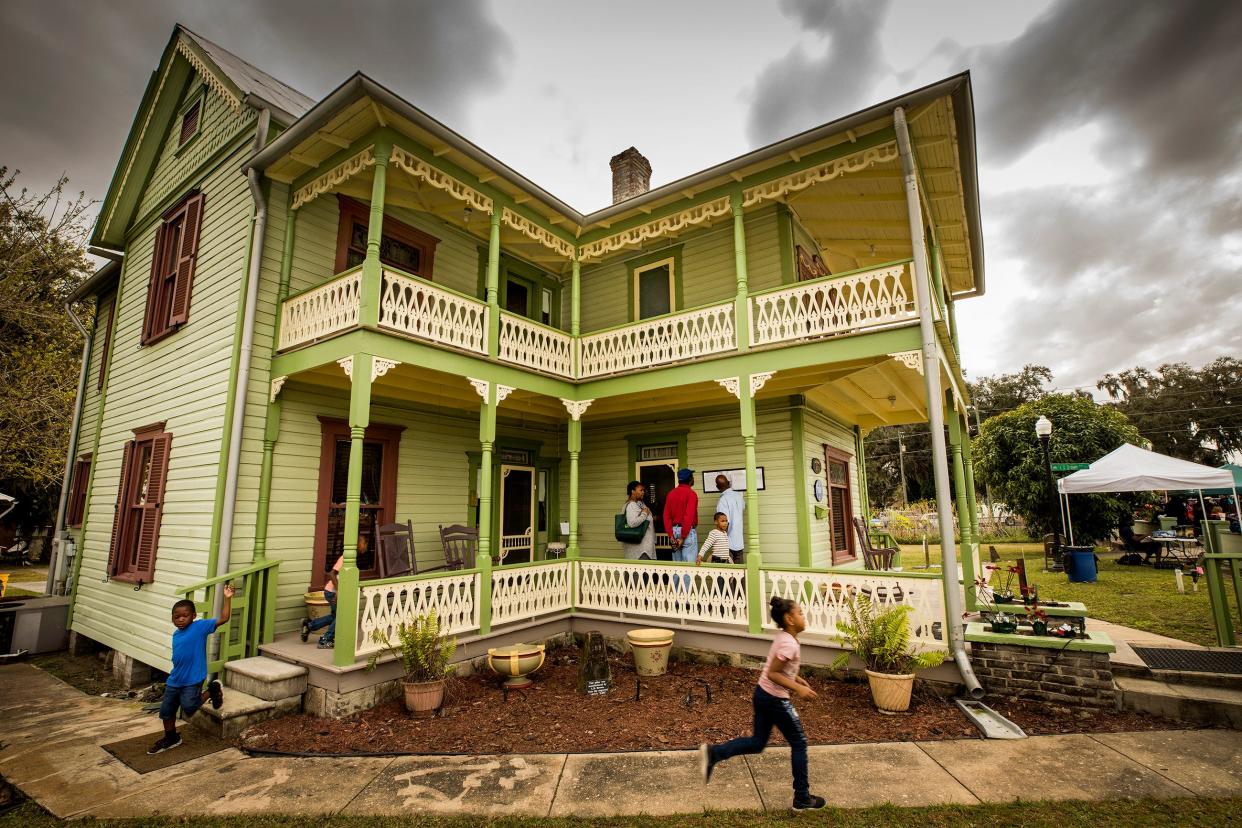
424,656
881,640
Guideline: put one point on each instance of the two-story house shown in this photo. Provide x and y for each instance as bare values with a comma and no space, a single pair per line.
327,318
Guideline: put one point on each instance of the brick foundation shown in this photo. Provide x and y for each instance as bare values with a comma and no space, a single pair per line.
1063,677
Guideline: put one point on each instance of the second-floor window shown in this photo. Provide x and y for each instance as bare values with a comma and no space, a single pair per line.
401,246
654,289
172,269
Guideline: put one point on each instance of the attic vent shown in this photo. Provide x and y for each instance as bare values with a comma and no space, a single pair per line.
668,452
189,122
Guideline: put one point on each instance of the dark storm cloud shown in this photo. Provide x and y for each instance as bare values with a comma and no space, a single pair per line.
795,92
72,73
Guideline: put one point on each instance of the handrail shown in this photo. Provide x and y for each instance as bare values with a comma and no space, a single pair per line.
228,576
535,323
843,570
631,561
347,272
419,576
858,271
663,316
423,280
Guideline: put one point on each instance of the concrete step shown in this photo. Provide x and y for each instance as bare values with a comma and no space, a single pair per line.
239,711
265,678
1221,706
1226,680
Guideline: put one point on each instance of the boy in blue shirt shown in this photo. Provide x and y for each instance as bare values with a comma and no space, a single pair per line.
189,657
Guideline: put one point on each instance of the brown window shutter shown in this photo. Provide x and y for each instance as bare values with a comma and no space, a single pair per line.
153,510
150,325
107,341
186,258
189,123
77,496
122,504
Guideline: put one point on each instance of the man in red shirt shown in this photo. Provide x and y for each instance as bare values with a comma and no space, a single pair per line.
681,517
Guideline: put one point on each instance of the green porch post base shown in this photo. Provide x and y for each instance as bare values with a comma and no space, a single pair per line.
372,270
487,439
741,318
347,596
493,283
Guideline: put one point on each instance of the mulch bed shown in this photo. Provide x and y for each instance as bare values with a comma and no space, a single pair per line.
672,714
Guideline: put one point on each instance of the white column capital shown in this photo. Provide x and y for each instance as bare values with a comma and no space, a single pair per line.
277,384
379,367
347,365
757,381
503,391
911,359
480,386
731,384
576,408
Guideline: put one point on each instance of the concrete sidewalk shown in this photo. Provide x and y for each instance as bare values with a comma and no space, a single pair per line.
51,735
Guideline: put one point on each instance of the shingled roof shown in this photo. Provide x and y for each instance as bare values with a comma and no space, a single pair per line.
251,80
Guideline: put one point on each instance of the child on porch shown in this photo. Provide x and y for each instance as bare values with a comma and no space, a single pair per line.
330,588
717,543
184,688
773,707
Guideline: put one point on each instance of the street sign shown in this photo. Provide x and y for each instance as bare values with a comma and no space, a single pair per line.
1070,466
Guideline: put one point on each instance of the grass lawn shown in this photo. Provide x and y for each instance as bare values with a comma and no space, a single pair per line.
1115,814
1136,596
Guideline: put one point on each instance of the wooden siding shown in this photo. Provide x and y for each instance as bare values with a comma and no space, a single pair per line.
181,380
91,393
712,443
707,264
819,431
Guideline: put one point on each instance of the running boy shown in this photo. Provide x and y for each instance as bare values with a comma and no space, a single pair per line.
773,707
184,688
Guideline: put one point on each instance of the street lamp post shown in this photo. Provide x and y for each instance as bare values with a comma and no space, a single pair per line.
1043,430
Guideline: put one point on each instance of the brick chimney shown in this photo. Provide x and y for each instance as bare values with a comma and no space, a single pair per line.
631,175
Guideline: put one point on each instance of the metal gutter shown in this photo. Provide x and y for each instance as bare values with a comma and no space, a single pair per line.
935,412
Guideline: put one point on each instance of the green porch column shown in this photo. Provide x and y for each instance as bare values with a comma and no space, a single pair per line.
860,455
493,284
487,440
347,596
575,306
372,270
741,319
286,268
957,347
937,278
963,519
968,459
754,586
575,448
271,433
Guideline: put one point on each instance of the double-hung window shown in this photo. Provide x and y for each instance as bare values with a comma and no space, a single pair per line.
172,269
139,505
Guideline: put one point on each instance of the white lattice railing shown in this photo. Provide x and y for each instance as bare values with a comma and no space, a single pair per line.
321,311
825,596
833,305
424,311
535,346
698,593
384,607
679,337
529,591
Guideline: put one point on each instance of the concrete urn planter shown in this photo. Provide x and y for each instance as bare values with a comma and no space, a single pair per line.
891,693
651,649
316,605
516,662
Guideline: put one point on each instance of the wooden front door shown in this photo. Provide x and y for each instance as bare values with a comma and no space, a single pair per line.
517,509
841,511
659,478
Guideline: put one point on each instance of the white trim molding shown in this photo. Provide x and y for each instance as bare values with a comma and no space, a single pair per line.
339,174
731,384
659,227
576,408
802,179
277,384
503,391
533,231
347,365
213,81
757,381
911,359
481,387
379,367
434,176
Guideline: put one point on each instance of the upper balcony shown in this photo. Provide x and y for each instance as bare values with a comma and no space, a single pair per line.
862,301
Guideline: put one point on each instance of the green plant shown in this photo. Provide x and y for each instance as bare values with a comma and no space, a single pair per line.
881,638
423,652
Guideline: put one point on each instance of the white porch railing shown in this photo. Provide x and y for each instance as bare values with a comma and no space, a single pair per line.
320,311
536,346
825,596
384,607
664,340
529,591
833,305
699,593
424,311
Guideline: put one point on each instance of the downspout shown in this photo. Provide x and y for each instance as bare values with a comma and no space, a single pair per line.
935,411
55,580
243,367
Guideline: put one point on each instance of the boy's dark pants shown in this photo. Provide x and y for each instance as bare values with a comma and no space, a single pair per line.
771,711
189,699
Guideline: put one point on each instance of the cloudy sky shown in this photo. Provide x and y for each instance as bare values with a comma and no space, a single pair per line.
1110,131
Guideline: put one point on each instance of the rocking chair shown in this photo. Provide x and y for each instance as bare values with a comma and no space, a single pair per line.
460,544
874,558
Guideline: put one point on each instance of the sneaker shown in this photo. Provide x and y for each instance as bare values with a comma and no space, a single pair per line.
215,692
306,630
810,803
166,742
706,763
325,645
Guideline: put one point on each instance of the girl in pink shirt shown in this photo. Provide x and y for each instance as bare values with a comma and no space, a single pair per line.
773,707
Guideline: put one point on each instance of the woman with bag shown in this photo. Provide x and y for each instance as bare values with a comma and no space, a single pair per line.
633,515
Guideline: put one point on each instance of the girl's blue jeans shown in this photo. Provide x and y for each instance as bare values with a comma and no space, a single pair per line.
328,620
771,711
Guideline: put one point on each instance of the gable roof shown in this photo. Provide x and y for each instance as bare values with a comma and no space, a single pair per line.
250,80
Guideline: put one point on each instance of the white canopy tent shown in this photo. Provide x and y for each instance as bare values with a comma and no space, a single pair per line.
1133,469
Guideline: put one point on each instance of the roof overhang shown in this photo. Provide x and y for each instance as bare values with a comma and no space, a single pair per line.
101,282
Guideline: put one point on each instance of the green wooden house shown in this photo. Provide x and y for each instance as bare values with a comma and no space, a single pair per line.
329,317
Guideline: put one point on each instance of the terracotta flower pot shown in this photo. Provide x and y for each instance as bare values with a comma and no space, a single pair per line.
423,696
891,693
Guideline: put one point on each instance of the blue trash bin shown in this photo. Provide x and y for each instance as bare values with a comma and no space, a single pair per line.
1080,564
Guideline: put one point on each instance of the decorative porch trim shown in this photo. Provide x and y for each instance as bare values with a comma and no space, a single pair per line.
277,384
503,391
757,381
213,81
731,385
533,231
802,179
347,365
420,169
481,387
379,367
576,408
911,359
659,227
339,174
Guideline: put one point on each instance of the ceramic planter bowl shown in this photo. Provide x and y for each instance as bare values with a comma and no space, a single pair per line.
651,648
516,662
891,693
